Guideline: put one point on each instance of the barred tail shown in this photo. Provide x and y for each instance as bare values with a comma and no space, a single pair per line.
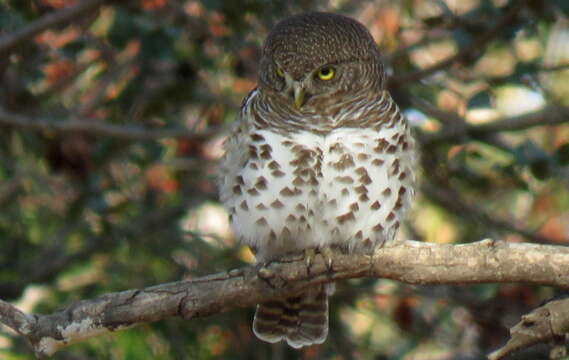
300,320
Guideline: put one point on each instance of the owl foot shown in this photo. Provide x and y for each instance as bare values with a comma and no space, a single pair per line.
327,253
265,273
310,255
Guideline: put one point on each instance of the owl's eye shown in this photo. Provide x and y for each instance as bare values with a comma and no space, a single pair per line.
280,72
326,73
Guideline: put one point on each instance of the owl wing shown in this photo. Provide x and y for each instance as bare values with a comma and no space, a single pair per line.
236,152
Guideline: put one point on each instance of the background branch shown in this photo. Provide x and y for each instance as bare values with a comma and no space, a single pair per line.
94,127
9,41
456,128
468,53
552,115
452,201
410,262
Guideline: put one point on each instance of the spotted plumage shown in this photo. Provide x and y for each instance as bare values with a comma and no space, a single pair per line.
321,156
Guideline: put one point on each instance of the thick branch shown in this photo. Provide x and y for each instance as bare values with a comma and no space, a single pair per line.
15,319
410,262
93,127
11,40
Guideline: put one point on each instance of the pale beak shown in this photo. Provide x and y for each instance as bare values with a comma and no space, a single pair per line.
298,95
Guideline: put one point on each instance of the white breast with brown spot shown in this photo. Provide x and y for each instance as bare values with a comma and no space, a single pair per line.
350,187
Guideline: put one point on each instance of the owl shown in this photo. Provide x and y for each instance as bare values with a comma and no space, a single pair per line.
320,157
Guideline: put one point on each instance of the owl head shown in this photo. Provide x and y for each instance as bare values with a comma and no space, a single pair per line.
313,59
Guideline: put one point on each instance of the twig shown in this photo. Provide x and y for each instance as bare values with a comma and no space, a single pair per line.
410,262
475,47
37,270
546,324
96,94
551,115
453,202
92,127
9,41
548,116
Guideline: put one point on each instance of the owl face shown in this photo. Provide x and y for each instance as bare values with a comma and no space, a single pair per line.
314,59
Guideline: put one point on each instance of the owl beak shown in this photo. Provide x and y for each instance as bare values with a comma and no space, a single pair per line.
298,95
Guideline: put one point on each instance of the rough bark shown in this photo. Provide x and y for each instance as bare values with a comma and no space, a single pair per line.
412,262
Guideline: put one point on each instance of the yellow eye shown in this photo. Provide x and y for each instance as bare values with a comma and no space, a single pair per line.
326,73
280,72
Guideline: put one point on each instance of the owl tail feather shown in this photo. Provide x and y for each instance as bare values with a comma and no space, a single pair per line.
300,320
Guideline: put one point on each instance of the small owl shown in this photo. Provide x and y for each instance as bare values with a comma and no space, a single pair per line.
321,156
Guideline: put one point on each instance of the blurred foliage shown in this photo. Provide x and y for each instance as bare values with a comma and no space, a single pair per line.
86,213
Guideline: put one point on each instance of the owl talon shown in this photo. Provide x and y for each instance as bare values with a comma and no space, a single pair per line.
265,273
327,253
309,255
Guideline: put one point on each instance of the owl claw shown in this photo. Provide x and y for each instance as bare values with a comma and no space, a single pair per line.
309,255
264,272
326,253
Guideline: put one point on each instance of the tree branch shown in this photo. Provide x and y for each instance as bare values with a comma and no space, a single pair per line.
551,115
15,319
476,47
93,127
9,41
546,324
410,262
458,129
453,203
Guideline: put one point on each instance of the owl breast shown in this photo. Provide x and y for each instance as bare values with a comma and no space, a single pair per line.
350,187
